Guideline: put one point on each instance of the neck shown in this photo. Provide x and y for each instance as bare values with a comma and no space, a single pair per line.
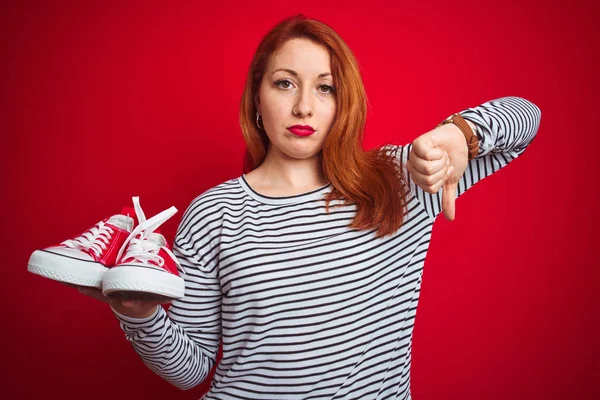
282,171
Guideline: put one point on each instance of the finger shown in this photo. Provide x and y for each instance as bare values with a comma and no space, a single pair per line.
150,301
140,303
134,295
136,301
71,285
424,148
94,293
434,182
436,187
448,200
429,167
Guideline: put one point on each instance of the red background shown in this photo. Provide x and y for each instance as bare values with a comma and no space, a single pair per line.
102,101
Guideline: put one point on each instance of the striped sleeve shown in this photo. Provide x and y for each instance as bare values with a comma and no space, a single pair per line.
181,345
504,127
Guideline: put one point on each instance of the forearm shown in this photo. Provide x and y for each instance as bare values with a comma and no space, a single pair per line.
507,124
167,350
181,346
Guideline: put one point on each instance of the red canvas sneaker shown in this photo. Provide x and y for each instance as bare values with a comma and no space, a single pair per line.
145,263
84,259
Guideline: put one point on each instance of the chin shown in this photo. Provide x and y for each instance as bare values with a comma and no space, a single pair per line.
302,154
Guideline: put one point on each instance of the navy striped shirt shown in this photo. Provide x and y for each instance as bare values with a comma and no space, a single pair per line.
307,308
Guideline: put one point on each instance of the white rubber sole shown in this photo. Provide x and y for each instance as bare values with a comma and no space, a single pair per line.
136,278
66,269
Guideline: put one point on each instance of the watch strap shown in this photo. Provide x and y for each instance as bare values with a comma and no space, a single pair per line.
472,140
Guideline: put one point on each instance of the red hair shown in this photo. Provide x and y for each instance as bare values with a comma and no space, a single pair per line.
370,179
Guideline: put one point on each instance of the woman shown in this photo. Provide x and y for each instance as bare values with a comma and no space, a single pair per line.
308,267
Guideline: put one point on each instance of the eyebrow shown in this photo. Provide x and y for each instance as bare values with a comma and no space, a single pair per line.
291,71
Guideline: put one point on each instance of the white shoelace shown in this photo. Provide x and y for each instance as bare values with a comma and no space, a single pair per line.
95,239
143,250
140,248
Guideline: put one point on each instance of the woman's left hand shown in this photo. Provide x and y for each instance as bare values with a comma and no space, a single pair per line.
438,159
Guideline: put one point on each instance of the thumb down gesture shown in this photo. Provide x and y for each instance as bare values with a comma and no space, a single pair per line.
438,159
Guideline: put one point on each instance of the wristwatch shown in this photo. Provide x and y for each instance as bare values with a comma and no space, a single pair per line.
472,140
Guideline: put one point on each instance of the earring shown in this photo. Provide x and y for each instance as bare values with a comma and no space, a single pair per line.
257,116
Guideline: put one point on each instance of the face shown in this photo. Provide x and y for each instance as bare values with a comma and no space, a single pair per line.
297,89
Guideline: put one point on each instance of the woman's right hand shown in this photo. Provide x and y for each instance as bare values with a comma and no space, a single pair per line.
130,304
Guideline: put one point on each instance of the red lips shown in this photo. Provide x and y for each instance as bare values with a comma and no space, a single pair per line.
301,130
303,127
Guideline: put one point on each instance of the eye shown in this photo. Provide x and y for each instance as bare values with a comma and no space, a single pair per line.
282,82
285,84
330,89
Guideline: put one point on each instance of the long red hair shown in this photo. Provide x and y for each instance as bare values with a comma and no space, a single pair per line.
370,179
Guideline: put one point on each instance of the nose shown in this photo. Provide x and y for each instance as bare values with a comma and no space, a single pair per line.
303,107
